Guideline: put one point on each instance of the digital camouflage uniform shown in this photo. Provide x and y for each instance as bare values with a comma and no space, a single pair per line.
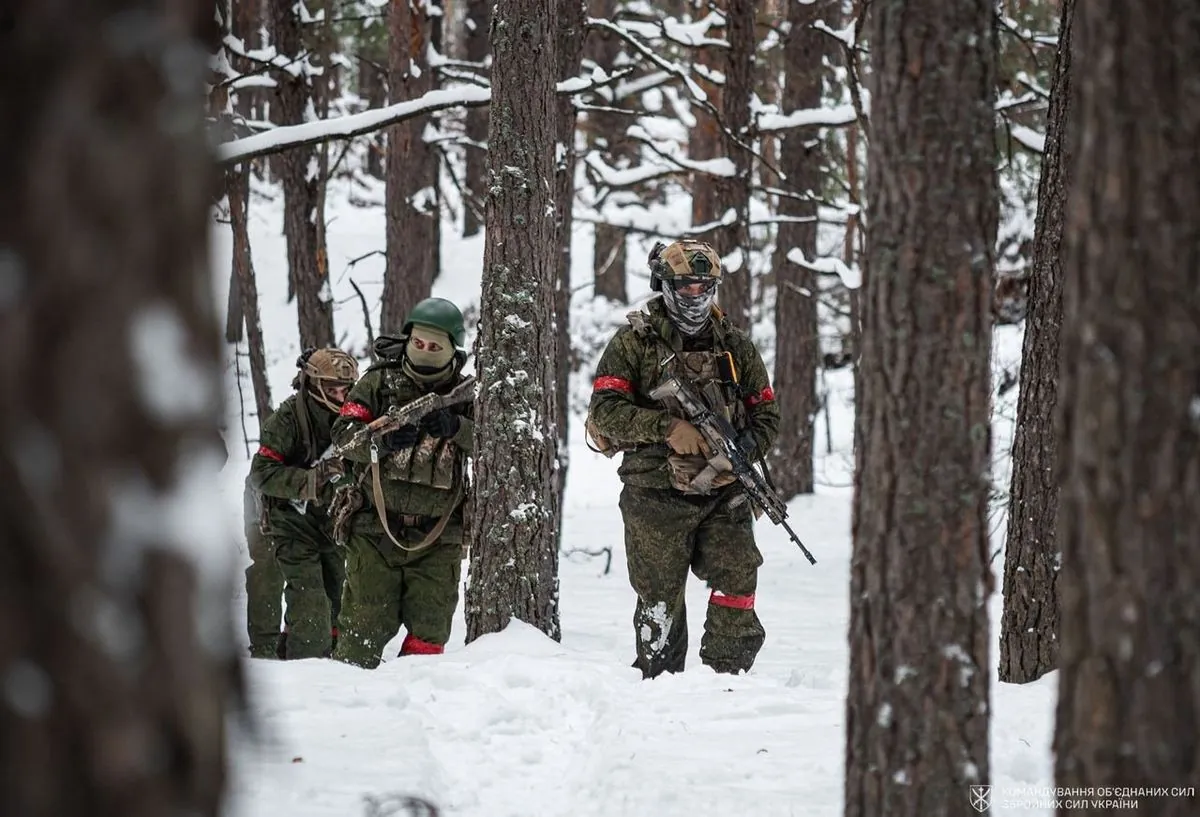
668,532
388,586
295,479
264,583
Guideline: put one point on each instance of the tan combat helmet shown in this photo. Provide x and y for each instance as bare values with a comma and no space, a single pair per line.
684,259
329,368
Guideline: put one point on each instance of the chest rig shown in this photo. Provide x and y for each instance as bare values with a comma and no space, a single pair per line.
711,373
432,461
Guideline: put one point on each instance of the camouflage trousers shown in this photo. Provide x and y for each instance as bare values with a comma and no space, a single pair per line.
387,588
666,535
264,585
313,571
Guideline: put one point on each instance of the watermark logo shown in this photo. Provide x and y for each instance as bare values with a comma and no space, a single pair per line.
981,798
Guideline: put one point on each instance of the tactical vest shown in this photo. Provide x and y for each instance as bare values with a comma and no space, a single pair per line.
433,461
711,373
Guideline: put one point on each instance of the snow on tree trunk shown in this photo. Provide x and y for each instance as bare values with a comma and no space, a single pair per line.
917,705
299,176
517,505
797,347
1129,653
412,211
114,688
1029,627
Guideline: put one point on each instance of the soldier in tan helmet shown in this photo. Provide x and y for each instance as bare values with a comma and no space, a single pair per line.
671,526
295,480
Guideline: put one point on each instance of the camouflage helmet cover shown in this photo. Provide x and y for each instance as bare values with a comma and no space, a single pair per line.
689,259
332,366
438,313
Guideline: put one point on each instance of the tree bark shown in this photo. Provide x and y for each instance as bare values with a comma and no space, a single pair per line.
114,700
713,197
478,20
238,184
1029,627
606,132
411,210
571,16
917,707
1128,707
307,273
517,507
797,343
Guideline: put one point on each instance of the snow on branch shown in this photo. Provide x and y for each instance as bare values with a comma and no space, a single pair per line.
1028,137
722,166
829,265
837,115
343,127
612,177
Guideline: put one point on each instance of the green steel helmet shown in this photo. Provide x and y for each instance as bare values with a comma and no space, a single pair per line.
439,314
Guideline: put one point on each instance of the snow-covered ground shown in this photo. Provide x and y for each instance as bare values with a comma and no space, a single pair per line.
518,725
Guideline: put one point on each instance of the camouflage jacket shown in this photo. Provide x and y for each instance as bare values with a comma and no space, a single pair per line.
279,469
420,481
633,364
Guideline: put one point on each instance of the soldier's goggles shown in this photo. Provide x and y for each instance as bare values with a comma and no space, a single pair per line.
693,286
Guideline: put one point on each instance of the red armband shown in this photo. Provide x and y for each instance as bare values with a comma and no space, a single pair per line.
356,411
614,383
270,453
764,396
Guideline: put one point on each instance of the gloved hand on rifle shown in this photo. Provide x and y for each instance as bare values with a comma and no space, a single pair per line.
400,439
747,444
441,423
684,438
324,473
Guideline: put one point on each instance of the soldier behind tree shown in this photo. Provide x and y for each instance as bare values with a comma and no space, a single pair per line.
404,559
669,527
295,480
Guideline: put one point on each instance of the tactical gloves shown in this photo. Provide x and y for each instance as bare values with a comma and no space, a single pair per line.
325,472
441,423
746,443
684,438
400,439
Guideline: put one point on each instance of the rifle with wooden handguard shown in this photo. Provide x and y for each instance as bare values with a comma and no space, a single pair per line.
408,414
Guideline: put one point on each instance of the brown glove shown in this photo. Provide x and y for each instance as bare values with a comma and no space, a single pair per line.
684,438
320,475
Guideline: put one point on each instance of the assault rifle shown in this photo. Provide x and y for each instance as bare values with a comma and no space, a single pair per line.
722,439
409,413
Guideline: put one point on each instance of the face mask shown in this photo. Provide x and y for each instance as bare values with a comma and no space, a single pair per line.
421,357
689,313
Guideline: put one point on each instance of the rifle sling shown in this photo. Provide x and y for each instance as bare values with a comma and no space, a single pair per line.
377,494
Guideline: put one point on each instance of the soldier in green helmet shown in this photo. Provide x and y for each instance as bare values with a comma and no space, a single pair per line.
404,541
671,527
295,478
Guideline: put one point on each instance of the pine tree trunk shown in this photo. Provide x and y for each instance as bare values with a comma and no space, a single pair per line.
479,13
299,176
606,132
570,21
517,507
114,702
714,196
1128,706
733,193
797,346
237,182
917,706
1029,627
411,211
